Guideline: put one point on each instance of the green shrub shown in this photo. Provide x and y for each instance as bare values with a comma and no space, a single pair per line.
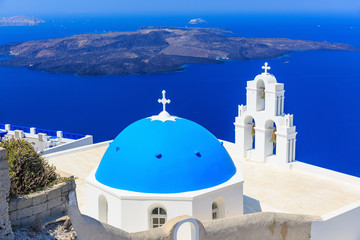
29,172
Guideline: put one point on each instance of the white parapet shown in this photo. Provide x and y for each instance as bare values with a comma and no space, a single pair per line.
19,134
340,224
59,134
33,131
42,137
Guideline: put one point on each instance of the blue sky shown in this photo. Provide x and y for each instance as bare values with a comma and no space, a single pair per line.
48,7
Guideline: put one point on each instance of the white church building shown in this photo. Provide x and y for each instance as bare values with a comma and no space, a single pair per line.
164,166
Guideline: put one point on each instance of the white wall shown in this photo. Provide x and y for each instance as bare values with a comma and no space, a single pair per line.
233,197
91,201
79,149
114,205
344,224
132,215
135,215
87,140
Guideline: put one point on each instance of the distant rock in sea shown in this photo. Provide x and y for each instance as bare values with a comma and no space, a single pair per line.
20,21
197,21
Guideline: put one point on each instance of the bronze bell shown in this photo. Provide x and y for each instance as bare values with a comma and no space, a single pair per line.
263,94
252,133
273,137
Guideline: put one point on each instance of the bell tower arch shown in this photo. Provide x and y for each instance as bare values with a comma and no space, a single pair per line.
273,134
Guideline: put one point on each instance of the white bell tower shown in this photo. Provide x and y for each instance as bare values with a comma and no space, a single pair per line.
263,132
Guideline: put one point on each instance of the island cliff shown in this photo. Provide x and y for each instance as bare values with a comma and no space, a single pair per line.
148,50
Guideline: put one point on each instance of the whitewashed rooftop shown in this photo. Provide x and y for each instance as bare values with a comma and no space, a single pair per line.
266,188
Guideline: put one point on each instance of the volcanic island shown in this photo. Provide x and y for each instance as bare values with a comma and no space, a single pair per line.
149,50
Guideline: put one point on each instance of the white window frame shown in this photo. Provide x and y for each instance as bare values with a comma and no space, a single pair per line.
215,210
158,217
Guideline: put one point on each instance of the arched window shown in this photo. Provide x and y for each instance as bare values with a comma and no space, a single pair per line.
218,208
103,209
157,217
260,95
249,136
270,136
215,211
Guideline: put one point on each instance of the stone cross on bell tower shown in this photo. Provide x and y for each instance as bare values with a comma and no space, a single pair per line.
266,68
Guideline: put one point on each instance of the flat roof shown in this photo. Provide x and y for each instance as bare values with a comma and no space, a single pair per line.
267,188
275,189
79,164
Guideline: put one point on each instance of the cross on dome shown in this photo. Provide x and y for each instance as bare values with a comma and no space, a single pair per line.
164,115
266,68
164,101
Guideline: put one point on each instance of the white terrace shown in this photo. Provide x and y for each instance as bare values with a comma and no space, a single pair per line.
305,189
45,141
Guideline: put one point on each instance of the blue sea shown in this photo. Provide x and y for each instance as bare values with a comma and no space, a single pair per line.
322,88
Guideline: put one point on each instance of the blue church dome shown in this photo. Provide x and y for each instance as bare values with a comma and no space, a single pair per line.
165,154
152,156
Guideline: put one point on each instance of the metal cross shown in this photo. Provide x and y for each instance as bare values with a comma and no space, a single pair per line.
266,67
164,101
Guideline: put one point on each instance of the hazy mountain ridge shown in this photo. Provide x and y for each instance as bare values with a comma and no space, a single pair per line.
149,50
